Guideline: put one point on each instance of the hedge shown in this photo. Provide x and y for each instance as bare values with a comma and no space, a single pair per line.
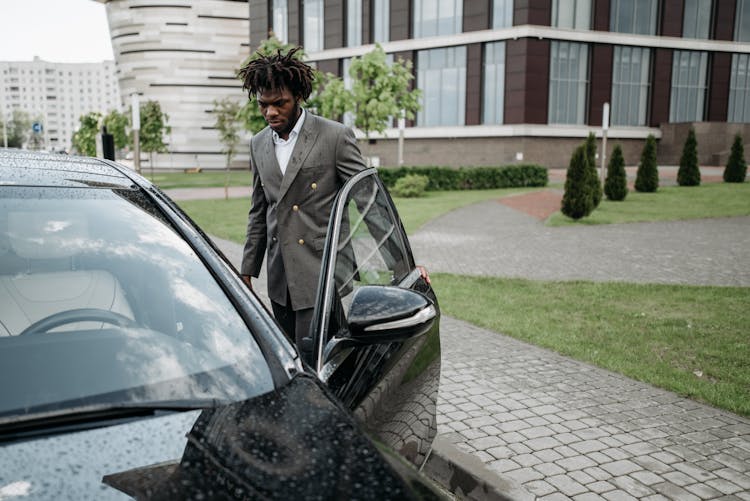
470,178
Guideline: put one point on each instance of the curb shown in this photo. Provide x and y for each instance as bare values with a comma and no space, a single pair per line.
467,477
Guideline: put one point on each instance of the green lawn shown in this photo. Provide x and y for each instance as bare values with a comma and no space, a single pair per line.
690,340
203,179
668,204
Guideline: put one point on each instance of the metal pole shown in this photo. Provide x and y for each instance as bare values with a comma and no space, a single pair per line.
136,110
605,127
401,127
5,131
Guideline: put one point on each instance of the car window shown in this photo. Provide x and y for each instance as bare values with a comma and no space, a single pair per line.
101,300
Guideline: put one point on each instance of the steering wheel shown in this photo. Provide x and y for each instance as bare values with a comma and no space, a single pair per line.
78,315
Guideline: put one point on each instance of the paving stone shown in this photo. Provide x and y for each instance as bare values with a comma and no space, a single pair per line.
588,496
618,495
503,465
646,477
548,455
501,452
632,486
566,485
581,477
741,479
597,473
703,491
695,472
555,496
539,488
616,454
575,463
724,486
526,474
600,486
673,491
588,446
619,468
539,444
549,469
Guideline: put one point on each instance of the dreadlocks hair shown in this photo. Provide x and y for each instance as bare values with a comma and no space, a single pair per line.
277,71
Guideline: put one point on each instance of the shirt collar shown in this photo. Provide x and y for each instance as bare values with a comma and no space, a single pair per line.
295,131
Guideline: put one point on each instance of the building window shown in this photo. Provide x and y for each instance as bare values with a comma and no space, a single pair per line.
630,85
353,23
441,75
574,14
381,15
689,70
494,83
739,89
313,27
437,17
696,23
568,86
742,21
280,15
633,16
502,13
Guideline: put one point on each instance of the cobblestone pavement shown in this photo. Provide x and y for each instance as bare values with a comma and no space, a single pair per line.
555,428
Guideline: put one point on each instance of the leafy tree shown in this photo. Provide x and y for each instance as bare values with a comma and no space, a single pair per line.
578,200
616,184
117,124
19,128
381,90
596,185
647,175
84,139
228,125
736,168
689,173
153,127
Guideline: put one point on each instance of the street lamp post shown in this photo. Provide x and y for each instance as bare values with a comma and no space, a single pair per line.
605,127
136,110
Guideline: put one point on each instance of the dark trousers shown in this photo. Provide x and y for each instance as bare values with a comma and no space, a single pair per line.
296,325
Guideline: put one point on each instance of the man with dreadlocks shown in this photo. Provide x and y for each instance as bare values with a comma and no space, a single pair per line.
299,162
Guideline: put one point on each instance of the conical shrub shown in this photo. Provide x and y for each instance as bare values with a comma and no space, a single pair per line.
577,201
689,173
596,185
647,176
616,184
736,168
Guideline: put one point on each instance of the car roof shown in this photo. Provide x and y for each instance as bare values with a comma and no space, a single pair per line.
34,168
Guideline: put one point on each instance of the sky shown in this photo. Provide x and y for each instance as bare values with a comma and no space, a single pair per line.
60,31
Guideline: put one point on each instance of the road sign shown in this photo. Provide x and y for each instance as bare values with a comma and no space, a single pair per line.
36,127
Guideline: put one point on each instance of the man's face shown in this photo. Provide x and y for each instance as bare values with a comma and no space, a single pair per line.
280,109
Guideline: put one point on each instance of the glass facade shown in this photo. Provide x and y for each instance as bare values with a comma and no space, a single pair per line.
630,85
493,102
568,83
689,71
739,89
437,17
381,15
742,21
633,16
313,25
353,23
502,14
441,75
280,15
574,14
696,22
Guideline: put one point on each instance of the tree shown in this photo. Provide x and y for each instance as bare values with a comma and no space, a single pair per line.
117,124
647,175
577,200
593,176
19,128
736,168
381,90
689,173
616,183
228,125
84,139
153,127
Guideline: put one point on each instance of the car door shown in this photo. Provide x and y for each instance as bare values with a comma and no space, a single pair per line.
376,322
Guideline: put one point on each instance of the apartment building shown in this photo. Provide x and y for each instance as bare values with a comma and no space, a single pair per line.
55,95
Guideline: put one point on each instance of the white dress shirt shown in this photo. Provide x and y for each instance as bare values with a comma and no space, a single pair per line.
284,148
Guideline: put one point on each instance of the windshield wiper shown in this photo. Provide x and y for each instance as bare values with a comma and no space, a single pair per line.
92,416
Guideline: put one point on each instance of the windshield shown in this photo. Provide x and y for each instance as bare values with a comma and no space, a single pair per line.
102,302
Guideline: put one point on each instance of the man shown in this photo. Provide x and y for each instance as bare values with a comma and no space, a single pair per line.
299,162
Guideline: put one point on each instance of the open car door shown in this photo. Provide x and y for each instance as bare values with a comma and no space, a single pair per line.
376,322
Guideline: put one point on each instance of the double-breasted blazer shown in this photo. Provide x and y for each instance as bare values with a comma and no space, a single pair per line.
289,214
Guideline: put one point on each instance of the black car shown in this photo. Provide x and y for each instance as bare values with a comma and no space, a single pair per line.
134,361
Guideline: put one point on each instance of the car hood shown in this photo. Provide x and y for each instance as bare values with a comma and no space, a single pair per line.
71,466
297,442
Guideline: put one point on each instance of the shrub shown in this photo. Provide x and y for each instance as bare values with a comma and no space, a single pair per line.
616,184
596,185
577,200
470,178
411,186
736,168
647,176
689,173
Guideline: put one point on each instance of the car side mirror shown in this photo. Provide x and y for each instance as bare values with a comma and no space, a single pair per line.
381,314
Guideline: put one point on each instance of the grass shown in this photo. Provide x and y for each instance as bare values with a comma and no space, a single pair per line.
669,204
203,179
689,340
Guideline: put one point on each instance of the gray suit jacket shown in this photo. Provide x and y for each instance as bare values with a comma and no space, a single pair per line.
289,215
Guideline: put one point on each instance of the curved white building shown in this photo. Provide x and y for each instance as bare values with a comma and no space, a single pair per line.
183,54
